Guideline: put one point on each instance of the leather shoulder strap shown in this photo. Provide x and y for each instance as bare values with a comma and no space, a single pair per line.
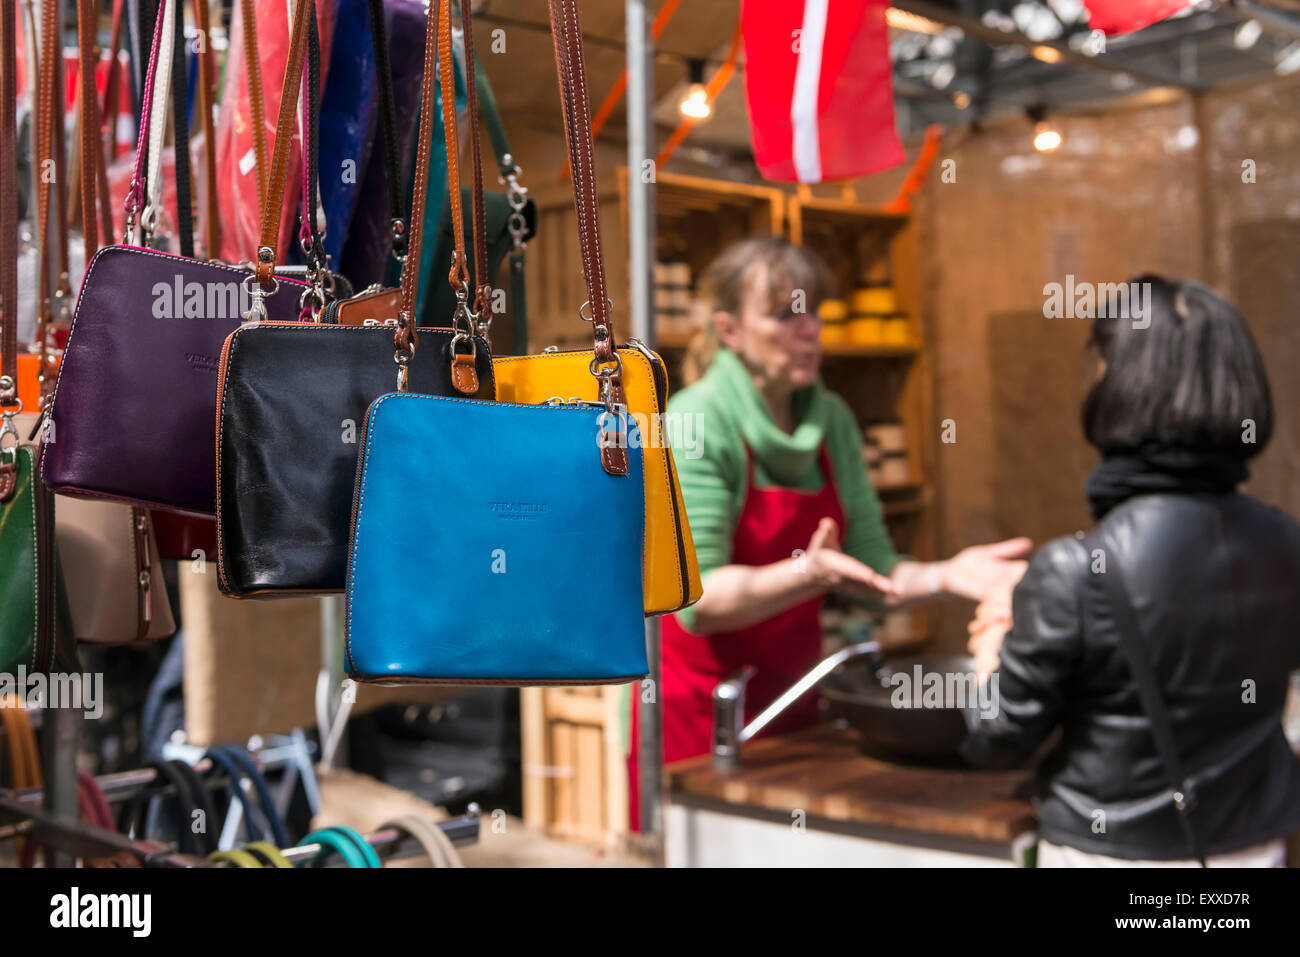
248,18
483,282
1135,652
566,32
275,182
8,209
207,77
87,25
405,338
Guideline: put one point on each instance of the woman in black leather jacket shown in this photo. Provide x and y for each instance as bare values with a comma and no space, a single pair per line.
1213,578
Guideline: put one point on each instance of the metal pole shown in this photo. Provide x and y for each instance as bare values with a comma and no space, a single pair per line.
62,741
641,255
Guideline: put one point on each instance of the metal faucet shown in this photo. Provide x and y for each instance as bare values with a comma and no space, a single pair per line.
729,703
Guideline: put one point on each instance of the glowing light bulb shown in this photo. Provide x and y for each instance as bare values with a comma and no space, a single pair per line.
1046,138
695,103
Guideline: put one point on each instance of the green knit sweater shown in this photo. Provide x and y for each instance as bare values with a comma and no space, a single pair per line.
714,420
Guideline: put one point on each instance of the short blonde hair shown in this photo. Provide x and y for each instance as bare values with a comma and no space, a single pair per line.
785,267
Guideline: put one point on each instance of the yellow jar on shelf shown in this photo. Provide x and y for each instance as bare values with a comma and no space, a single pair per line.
834,333
896,330
834,315
866,330
875,300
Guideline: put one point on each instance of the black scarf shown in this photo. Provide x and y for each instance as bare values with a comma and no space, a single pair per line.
1154,469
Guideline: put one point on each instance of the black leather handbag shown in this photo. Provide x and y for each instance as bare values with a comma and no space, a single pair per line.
291,401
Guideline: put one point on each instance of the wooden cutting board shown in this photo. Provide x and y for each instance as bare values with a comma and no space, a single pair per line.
822,772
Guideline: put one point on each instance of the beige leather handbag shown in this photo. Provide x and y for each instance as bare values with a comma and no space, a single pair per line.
108,554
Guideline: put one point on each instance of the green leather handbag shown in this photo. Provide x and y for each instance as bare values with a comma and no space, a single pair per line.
35,633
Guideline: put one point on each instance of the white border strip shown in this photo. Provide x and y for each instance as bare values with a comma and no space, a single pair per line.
803,104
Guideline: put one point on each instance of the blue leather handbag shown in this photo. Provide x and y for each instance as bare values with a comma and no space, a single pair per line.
540,544
538,517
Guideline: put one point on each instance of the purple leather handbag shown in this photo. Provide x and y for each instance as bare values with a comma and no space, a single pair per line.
134,408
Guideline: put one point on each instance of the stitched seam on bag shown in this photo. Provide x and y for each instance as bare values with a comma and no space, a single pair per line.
36,561
654,404
372,413
229,350
81,298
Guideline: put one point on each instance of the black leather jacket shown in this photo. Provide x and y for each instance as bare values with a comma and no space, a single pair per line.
1215,583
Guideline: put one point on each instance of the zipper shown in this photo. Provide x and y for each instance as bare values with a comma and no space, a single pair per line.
143,572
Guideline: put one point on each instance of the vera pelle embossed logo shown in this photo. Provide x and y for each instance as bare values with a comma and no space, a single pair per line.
519,511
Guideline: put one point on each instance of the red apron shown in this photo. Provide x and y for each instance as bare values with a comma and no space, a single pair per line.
773,524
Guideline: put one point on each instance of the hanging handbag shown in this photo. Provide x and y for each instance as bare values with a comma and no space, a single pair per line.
540,507
108,551
33,631
135,398
672,574
291,400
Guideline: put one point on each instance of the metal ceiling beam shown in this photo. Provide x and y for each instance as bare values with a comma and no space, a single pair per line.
975,28
1268,17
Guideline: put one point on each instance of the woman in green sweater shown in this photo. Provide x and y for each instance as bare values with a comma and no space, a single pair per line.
779,502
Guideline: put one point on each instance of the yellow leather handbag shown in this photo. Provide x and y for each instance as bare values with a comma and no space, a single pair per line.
671,573
629,375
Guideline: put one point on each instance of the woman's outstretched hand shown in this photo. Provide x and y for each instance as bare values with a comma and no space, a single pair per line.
981,570
834,570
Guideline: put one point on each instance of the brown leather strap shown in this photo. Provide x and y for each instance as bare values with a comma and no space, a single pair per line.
113,81
87,25
275,181
483,281
566,31
207,77
459,275
405,337
62,214
43,139
9,203
248,15
108,117
49,171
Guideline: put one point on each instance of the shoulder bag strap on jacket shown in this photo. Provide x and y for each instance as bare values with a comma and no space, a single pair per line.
1131,641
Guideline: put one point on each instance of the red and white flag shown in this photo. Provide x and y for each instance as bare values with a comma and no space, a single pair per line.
1125,16
818,83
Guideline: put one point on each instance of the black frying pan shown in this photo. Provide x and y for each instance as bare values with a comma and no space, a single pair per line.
911,735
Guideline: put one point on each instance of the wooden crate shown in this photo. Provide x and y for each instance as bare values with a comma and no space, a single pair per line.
574,769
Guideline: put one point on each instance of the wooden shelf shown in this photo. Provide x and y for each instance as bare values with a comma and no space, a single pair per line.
900,488
674,340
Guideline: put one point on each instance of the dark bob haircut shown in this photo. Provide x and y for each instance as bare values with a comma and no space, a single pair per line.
1182,373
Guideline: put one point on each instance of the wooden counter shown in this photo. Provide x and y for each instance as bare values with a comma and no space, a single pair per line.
822,773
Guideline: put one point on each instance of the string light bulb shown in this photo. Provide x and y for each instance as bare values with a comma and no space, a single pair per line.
1046,136
695,103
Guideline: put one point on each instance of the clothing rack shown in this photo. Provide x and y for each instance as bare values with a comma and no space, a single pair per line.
19,817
